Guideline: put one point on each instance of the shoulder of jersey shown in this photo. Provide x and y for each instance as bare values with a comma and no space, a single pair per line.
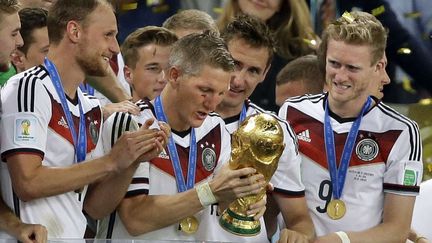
391,116
214,114
30,76
258,109
23,88
93,100
143,105
307,97
392,119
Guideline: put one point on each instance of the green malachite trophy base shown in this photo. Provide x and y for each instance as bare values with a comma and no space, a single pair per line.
239,225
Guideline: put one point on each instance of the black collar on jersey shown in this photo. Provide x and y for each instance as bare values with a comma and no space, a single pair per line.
349,119
232,119
182,133
235,118
74,101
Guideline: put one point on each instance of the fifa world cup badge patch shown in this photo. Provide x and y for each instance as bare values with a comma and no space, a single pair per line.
25,130
367,149
409,178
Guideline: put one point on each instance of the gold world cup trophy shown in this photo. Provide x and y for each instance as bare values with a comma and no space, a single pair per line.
258,143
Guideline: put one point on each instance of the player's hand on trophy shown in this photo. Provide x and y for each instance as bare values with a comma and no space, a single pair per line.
142,144
288,236
228,185
258,209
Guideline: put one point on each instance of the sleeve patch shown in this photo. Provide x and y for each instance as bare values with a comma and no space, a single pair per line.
25,130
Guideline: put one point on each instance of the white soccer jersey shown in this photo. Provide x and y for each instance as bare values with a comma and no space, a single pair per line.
387,157
156,177
33,122
286,179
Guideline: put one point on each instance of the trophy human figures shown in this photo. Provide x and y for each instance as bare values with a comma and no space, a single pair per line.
257,143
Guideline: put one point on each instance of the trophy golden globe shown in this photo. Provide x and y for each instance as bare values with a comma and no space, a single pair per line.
258,143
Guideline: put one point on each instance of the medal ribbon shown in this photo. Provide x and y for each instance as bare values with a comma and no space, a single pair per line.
80,140
175,160
85,87
243,113
337,175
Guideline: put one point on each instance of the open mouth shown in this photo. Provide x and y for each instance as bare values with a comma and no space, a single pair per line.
235,91
201,115
341,86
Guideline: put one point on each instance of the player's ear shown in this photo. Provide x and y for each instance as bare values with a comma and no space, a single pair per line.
128,74
174,74
73,31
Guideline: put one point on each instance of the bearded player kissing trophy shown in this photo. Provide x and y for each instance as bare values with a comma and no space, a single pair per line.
258,143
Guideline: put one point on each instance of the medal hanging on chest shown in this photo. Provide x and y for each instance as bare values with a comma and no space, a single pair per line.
336,208
188,225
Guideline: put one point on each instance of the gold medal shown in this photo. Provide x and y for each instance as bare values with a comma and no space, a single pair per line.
336,209
189,225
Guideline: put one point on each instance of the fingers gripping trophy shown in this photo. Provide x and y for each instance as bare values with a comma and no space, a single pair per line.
258,143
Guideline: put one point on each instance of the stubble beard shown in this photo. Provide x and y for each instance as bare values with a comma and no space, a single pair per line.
90,64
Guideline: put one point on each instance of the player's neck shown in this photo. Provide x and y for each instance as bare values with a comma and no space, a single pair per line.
348,109
135,97
226,111
70,73
172,112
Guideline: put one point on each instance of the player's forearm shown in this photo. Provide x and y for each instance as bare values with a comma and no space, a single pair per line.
104,196
295,214
302,224
8,221
43,181
385,232
270,215
163,210
109,87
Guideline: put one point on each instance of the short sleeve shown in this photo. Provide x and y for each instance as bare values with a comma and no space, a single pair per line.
26,116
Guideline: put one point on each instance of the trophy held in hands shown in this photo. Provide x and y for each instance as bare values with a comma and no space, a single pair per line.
258,143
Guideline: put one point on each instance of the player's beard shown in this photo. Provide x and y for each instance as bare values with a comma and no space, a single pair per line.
91,63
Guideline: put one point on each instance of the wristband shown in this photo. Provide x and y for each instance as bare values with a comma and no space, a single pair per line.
205,194
343,236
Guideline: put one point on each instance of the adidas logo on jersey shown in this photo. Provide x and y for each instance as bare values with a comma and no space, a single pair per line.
63,123
304,136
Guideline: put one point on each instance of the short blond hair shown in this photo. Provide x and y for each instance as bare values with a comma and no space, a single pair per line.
355,28
143,37
192,52
192,19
